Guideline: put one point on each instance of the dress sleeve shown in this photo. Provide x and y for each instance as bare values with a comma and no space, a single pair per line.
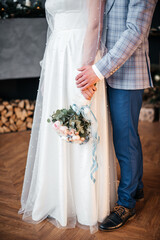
92,40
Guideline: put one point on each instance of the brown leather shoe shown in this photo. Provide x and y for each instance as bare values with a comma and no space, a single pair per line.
118,217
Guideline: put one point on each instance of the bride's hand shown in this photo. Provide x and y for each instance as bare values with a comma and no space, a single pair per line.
89,92
86,78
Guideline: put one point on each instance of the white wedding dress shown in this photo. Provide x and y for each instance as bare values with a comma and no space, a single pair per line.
57,184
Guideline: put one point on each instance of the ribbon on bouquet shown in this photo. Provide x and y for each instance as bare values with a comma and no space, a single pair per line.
96,138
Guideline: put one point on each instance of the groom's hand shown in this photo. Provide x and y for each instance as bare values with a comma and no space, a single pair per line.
88,93
86,78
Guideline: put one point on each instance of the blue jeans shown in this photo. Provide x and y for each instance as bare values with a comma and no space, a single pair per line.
125,107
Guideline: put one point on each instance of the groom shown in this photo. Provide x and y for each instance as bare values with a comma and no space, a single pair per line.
126,68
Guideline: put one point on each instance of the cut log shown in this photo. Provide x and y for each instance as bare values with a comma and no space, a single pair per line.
6,129
7,124
29,113
21,104
27,104
29,119
24,114
4,119
9,113
9,107
18,112
1,130
19,123
26,101
29,125
13,104
32,106
1,123
16,115
1,108
3,113
23,127
13,117
5,103
13,127
147,114
11,120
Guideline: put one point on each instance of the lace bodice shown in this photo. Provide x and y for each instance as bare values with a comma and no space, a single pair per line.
86,15
55,6
66,14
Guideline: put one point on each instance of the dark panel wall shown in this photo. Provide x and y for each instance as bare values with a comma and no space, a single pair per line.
154,39
43,1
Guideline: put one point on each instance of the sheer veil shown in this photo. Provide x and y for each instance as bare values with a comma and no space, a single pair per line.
88,14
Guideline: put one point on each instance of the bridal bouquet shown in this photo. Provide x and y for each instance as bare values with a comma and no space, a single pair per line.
71,125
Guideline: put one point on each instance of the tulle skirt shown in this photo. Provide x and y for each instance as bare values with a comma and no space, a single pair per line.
57,184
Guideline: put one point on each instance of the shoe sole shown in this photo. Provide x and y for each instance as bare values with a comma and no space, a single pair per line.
110,230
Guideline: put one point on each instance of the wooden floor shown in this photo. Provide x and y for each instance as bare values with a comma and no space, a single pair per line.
13,153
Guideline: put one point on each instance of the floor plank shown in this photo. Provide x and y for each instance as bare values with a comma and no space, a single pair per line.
13,153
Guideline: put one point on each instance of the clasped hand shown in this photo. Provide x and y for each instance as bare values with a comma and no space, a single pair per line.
86,81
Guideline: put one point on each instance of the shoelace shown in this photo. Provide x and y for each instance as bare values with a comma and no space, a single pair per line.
119,210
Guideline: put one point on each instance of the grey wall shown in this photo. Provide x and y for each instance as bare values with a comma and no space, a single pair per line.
22,44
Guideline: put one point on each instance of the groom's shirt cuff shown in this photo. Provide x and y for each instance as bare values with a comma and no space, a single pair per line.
97,72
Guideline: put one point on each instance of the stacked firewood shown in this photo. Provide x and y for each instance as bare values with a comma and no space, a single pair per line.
16,115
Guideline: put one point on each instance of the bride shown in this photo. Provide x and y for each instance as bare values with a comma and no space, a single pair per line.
57,182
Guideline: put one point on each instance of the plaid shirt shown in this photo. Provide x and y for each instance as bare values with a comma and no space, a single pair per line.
126,64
